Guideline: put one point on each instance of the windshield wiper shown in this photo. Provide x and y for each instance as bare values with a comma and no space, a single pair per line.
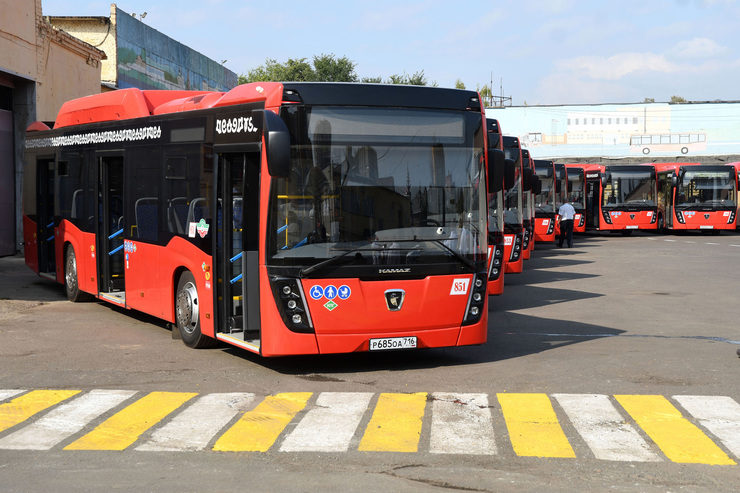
331,260
464,260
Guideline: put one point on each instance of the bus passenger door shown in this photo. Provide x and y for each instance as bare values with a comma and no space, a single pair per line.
236,252
592,204
110,224
45,211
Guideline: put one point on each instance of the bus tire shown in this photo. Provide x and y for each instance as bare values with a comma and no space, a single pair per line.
187,313
71,279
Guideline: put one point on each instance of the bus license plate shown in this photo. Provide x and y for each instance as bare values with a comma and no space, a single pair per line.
392,343
631,226
706,226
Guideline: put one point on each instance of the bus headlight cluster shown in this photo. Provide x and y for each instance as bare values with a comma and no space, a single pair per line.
582,220
551,227
291,304
732,218
476,301
525,243
654,218
607,218
516,250
496,263
679,216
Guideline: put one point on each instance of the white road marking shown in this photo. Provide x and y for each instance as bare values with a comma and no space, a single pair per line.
712,243
330,425
194,428
603,429
670,240
5,394
735,246
718,414
461,424
65,420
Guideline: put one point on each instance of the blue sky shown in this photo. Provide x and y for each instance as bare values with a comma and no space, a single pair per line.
546,52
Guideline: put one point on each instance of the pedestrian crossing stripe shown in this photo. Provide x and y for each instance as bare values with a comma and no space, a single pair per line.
633,428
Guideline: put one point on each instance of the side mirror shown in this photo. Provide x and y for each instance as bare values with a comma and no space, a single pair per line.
558,185
536,185
509,173
674,180
569,186
277,144
496,165
527,179
605,179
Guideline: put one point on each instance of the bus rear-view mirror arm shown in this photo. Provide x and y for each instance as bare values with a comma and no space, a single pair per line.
509,173
277,145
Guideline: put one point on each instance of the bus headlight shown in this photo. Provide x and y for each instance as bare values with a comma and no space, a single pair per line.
498,259
291,304
679,216
732,218
607,218
476,301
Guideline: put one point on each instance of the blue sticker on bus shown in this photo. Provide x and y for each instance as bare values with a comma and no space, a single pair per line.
316,292
344,292
330,292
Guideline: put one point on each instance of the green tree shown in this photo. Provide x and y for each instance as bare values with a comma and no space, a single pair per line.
486,95
678,99
415,79
328,68
459,84
649,100
324,68
372,80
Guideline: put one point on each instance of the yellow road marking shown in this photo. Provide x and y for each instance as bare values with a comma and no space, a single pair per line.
23,407
258,429
126,426
533,426
678,438
396,423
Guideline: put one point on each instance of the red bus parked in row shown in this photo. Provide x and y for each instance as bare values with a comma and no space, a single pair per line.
496,257
295,218
513,209
692,196
592,176
737,196
545,208
629,198
530,184
576,195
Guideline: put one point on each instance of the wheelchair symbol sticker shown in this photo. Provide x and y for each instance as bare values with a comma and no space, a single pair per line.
316,292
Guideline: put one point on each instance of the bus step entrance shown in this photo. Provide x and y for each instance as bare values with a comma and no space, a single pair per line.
236,324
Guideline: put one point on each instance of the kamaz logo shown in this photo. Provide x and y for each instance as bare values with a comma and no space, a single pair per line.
394,271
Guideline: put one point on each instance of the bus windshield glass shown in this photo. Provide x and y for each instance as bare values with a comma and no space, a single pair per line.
629,189
545,200
706,189
575,188
387,185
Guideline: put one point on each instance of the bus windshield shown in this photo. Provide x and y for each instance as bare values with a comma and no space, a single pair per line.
629,189
387,185
575,188
545,200
704,188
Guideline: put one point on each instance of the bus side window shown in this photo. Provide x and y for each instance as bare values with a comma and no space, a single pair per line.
146,211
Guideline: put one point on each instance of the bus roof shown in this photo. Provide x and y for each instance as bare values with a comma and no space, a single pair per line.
124,104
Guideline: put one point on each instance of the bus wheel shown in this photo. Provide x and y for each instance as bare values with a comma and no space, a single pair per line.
71,284
187,313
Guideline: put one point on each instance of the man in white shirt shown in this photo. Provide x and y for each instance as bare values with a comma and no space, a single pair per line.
566,213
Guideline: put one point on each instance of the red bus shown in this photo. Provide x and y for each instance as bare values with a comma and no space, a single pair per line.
592,176
514,230
629,198
295,218
577,195
692,196
496,168
546,214
736,165
530,181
